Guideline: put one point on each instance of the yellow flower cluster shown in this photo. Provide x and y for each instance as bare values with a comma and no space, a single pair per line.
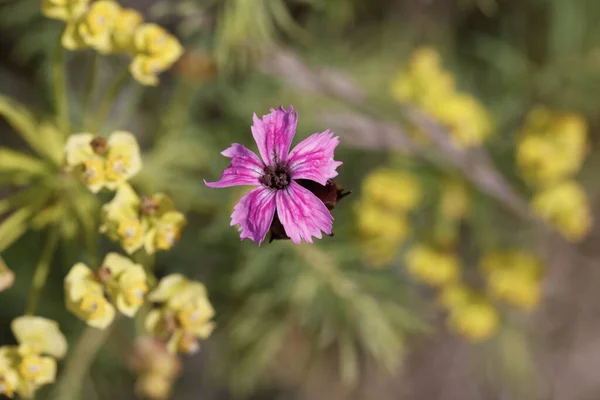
182,314
32,363
513,277
152,222
427,84
103,163
93,295
469,314
551,147
550,151
157,369
566,207
432,266
106,27
387,197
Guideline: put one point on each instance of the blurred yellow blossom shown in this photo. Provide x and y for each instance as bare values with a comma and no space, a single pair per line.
454,295
30,365
151,222
126,284
476,319
153,386
94,28
121,220
429,86
7,277
468,121
156,51
37,371
565,206
551,147
103,163
432,266
454,200
514,277
157,368
425,82
84,295
37,335
126,23
392,189
66,10
9,377
375,222
182,315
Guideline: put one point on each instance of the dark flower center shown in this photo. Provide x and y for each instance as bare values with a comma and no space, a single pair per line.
276,176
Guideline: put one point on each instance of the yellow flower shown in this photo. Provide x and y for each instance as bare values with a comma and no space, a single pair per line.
96,26
477,320
552,146
85,297
121,221
151,222
566,207
151,356
153,386
164,223
156,50
454,200
128,20
514,277
9,377
432,266
516,289
38,370
425,82
93,172
103,163
37,335
184,314
467,119
393,189
127,285
377,223
154,41
454,295
66,10
7,277
525,262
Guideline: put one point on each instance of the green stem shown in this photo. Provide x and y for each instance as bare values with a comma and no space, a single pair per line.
89,343
60,89
41,272
89,89
109,98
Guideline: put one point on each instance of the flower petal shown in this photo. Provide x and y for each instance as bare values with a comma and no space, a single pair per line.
313,159
245,168
302,214
254,214
274,134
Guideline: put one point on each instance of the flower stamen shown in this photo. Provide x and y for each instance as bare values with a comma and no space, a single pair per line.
276,176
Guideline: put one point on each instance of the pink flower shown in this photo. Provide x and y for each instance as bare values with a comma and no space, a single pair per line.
277,194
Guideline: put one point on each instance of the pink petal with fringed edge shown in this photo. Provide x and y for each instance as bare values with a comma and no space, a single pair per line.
313,159
302,214
245,168
274,134
254,214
